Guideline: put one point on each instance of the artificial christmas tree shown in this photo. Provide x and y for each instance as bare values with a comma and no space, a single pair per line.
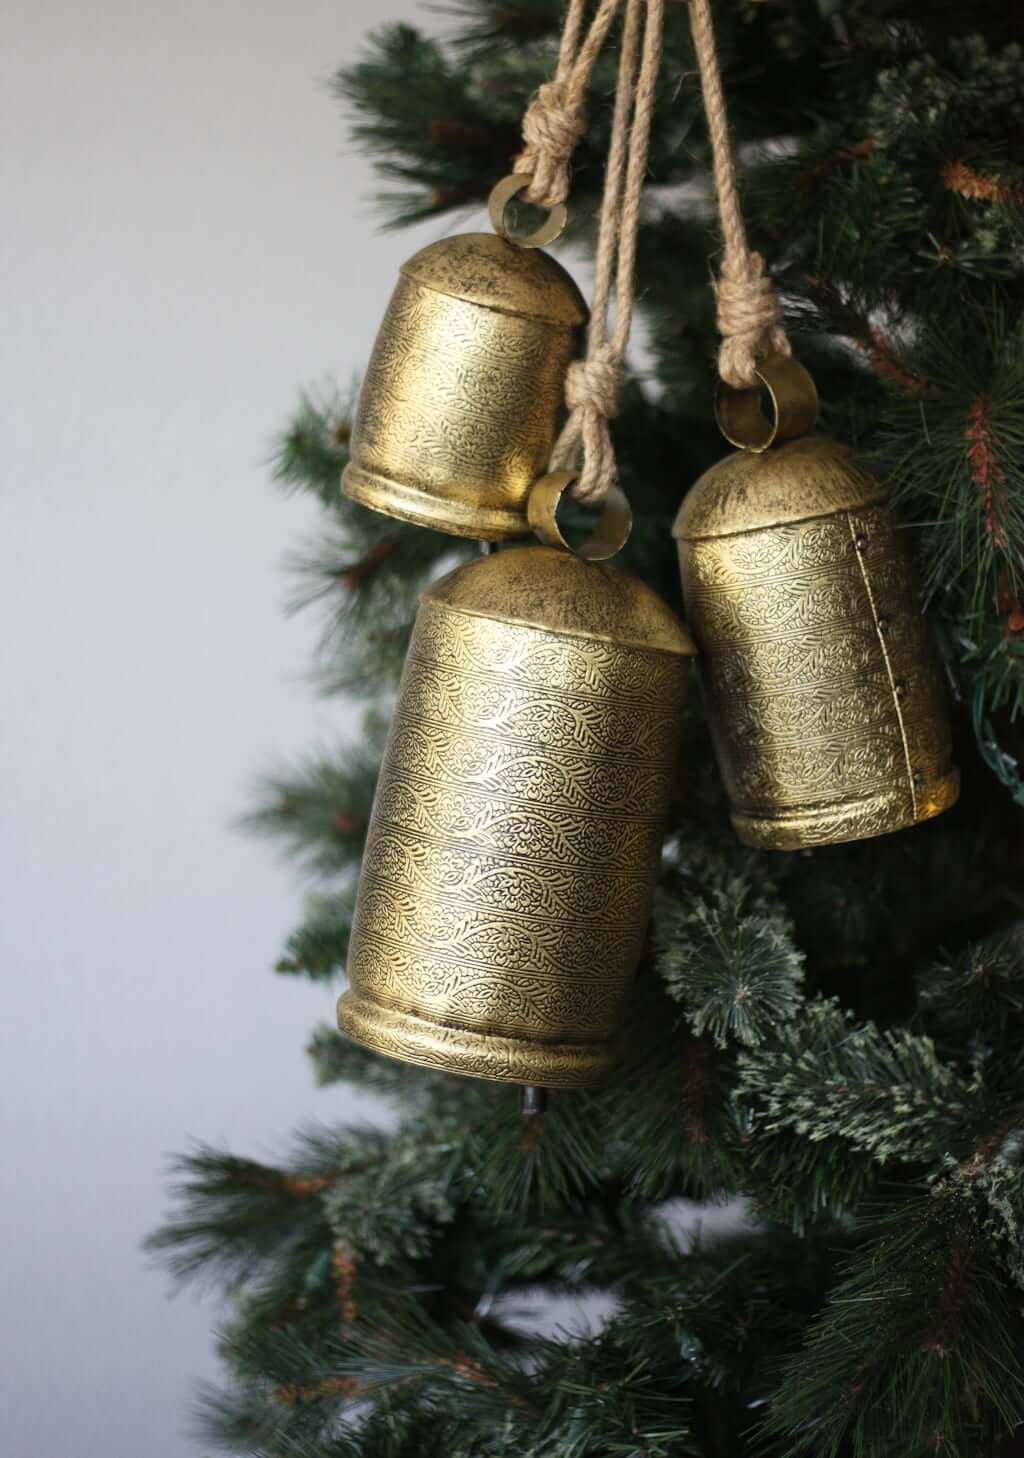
832,1036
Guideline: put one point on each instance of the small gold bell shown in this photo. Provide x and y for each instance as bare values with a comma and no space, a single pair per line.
822,688
518,820
461,401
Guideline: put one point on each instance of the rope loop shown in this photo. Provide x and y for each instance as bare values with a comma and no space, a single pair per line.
749,319
749,313
593,391
596,383
552,127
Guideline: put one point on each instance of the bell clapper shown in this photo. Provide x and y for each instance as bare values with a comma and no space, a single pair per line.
532,1100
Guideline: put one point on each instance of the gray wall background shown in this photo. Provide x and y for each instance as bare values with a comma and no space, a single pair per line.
185,242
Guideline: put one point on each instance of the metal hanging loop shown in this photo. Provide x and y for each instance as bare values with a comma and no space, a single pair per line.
793,401
502,194
611,531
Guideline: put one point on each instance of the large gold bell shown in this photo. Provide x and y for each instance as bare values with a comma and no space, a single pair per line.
461,401
518,820
821,684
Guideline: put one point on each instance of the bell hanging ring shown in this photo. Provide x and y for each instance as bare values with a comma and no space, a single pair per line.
610,534
463,394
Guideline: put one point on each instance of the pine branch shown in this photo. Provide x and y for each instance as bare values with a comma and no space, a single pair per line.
365,576
320,812
336,1059
311,453
731,963
317,949
830,1104
236,1217
918,1351
953,456
390,1208
978,993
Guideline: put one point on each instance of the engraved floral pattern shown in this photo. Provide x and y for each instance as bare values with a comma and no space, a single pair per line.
822,686
518,654
513,844
429,419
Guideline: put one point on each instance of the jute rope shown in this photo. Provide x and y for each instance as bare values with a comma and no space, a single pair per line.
594,384
551,128
749,312
556,117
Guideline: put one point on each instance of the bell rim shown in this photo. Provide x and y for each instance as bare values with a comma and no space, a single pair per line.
884,813
436,513
443,1047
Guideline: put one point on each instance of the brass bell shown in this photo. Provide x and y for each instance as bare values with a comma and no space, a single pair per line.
821,684
462,396
518,820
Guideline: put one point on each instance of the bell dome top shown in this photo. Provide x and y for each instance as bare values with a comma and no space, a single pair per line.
747,491
481,268
542,587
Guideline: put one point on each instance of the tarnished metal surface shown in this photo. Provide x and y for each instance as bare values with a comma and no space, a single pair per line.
462,396
821,683
517,826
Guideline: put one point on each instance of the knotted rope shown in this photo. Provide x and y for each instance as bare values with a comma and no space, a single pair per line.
556,117
552,126
594,384
749,312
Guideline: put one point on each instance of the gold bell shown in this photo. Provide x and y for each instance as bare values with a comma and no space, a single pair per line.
822,688
462,396
518,820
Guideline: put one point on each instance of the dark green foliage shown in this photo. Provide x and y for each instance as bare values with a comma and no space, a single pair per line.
730,962
338,1060
318,947
978,993
972,420
832,1039
312,453
830,1106
320,812
919,1348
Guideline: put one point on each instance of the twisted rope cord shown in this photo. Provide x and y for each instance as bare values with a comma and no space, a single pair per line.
749,312
594,384
555,119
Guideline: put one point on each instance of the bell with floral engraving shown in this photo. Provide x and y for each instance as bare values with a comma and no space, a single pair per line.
517,827
821,684
462,398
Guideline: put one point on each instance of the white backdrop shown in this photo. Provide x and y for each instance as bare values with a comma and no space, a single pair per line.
183,245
